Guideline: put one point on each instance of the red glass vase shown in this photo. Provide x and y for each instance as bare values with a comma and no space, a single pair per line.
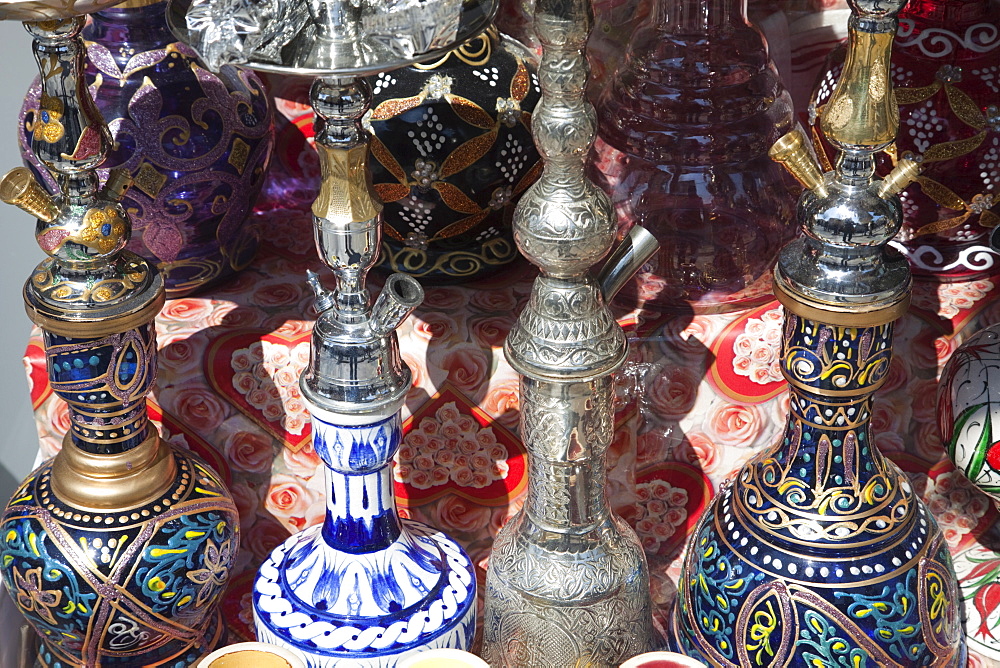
946,72
685,126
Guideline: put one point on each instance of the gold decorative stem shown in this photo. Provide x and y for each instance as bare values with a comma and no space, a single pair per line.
346,193
862,113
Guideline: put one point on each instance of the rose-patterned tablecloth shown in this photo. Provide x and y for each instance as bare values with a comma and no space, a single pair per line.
699,395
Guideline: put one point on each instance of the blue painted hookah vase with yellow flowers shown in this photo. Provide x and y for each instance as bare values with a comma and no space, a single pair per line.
118,549
819,552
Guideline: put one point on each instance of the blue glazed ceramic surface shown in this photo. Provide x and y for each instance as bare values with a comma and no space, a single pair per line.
820,553
365,587
121,586
103,592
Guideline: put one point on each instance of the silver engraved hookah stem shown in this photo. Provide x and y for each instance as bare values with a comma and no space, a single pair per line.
567,582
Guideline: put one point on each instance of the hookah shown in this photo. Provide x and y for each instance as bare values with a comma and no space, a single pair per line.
567,582
820,552
117,550
365,588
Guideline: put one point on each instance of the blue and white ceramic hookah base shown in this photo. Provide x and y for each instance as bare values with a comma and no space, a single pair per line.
447,618
331,594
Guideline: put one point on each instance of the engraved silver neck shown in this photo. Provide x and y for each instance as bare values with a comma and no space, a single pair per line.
564,224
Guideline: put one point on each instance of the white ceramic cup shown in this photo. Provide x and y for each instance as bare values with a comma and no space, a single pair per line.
442,658
251,655
662,660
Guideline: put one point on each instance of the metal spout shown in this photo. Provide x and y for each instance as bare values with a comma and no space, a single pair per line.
399,297
633,251
19,187
902,175
324,298
118,183
355,367
793,152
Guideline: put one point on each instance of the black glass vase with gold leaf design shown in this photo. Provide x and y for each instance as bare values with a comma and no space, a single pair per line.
452,153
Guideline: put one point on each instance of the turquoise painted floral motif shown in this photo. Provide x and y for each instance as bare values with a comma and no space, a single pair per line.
170,575
54,594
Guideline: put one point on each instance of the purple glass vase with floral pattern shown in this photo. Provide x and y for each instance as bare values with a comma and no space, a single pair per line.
196,143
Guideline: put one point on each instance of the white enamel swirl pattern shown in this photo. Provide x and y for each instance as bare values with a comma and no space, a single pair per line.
929,258
939,42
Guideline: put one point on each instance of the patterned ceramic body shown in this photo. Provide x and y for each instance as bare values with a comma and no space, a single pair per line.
364,588
128,585
685,126
452,154
197,145
819,552
969,409
567,583
946,73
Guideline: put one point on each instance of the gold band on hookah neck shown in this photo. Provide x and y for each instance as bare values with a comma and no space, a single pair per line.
861,315
862,112
95,327
113,482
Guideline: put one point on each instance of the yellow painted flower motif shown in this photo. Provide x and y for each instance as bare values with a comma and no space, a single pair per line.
47,126
104,229
215,573
32,598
